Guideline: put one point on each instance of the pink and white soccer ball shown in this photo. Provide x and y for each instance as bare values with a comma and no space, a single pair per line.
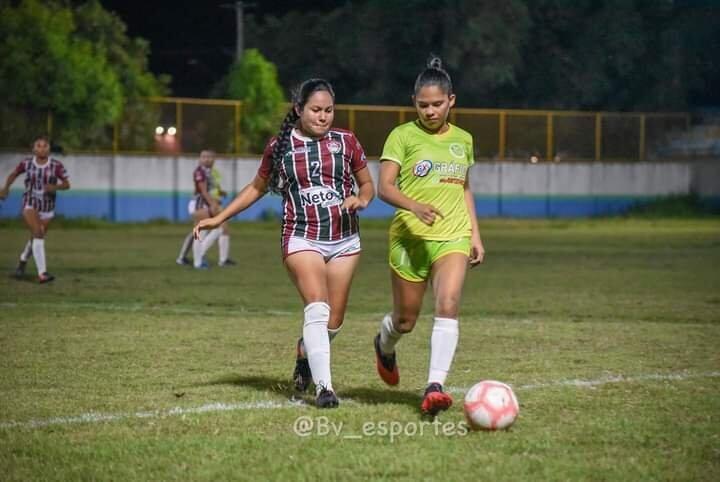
490,405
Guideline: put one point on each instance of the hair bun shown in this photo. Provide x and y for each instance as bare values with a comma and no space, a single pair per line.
434,62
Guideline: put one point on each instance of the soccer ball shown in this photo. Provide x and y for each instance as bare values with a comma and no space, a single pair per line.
490,405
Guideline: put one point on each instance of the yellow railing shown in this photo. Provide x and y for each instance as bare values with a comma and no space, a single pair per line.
498,134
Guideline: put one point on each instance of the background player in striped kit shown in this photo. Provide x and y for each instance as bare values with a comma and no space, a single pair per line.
206,203
323,177
424,174
44,176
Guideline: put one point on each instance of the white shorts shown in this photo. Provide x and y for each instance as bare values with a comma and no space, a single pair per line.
44,215
329,250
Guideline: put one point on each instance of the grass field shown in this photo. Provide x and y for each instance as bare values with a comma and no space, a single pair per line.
129,367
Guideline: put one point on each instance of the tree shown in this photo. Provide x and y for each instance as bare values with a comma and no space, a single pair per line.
254,81
561,54
76,65
373,50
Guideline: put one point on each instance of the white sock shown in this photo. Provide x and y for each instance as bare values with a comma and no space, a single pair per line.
186,246
224,247
204,245
332,333
389,336
38,249
197,249
27,251
317,343
443,342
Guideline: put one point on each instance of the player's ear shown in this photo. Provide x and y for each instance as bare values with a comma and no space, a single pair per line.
452,100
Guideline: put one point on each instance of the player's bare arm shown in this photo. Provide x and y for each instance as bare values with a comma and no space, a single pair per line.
366,192
477,253
63,185
388,192
245,198
8,182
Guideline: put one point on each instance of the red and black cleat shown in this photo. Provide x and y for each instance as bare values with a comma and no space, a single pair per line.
386,365
435,400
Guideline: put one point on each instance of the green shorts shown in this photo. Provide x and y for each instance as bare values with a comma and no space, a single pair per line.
412,258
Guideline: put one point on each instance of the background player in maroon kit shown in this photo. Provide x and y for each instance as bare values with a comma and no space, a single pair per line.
323,177
44,176
206,203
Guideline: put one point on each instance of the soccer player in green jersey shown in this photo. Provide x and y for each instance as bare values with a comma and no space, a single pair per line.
434,235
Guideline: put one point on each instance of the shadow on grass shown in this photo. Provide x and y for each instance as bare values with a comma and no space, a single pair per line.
284,386
260,383
376,396
27,278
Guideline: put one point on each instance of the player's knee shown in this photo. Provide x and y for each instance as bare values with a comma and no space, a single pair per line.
405,322
447,307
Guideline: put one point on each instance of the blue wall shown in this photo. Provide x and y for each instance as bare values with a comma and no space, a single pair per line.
132,207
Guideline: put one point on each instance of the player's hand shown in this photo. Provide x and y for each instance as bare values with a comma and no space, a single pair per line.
477,252
427,213
205,225
51,188
354,203
3,193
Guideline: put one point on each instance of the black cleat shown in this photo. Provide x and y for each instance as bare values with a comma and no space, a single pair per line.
184,261
326,399
228,262
45,278
20,270
301,376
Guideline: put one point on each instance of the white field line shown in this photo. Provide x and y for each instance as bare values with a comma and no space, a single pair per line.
93,417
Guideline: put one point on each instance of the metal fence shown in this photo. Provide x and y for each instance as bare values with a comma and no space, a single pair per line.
182,125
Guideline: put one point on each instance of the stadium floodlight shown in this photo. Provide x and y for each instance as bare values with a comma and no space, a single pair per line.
171,131
159,130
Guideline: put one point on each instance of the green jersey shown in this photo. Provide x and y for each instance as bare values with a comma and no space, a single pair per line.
215,189
433,168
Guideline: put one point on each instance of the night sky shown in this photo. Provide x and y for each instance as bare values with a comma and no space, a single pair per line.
194,40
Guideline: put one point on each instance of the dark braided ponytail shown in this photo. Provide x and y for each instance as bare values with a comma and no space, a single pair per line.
434,74
282,145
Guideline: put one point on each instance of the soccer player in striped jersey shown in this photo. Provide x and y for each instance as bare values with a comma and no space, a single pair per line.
322,175
44,176
206,203
434,236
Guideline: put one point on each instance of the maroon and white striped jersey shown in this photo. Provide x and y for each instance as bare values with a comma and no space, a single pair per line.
202,174
317,176
37,177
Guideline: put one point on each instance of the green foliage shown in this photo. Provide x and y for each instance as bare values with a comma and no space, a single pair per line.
375,53
254,81
580,54
75,64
